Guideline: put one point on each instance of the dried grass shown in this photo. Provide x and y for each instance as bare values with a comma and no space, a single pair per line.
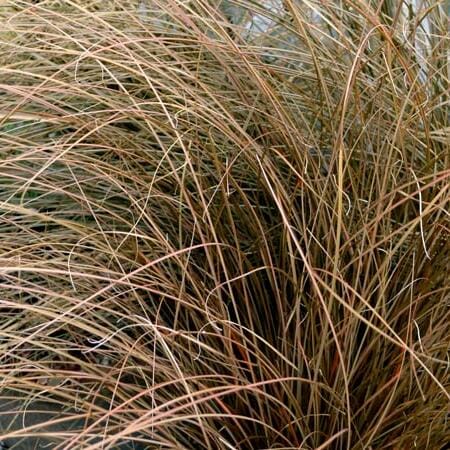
218,239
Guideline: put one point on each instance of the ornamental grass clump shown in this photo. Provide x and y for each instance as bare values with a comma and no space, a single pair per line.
224,224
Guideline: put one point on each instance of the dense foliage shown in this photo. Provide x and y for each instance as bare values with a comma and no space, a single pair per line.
224,225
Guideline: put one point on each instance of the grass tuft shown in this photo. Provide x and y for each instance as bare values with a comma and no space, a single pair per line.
224,224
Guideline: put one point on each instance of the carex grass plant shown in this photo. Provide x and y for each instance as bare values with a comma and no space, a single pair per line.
224,224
